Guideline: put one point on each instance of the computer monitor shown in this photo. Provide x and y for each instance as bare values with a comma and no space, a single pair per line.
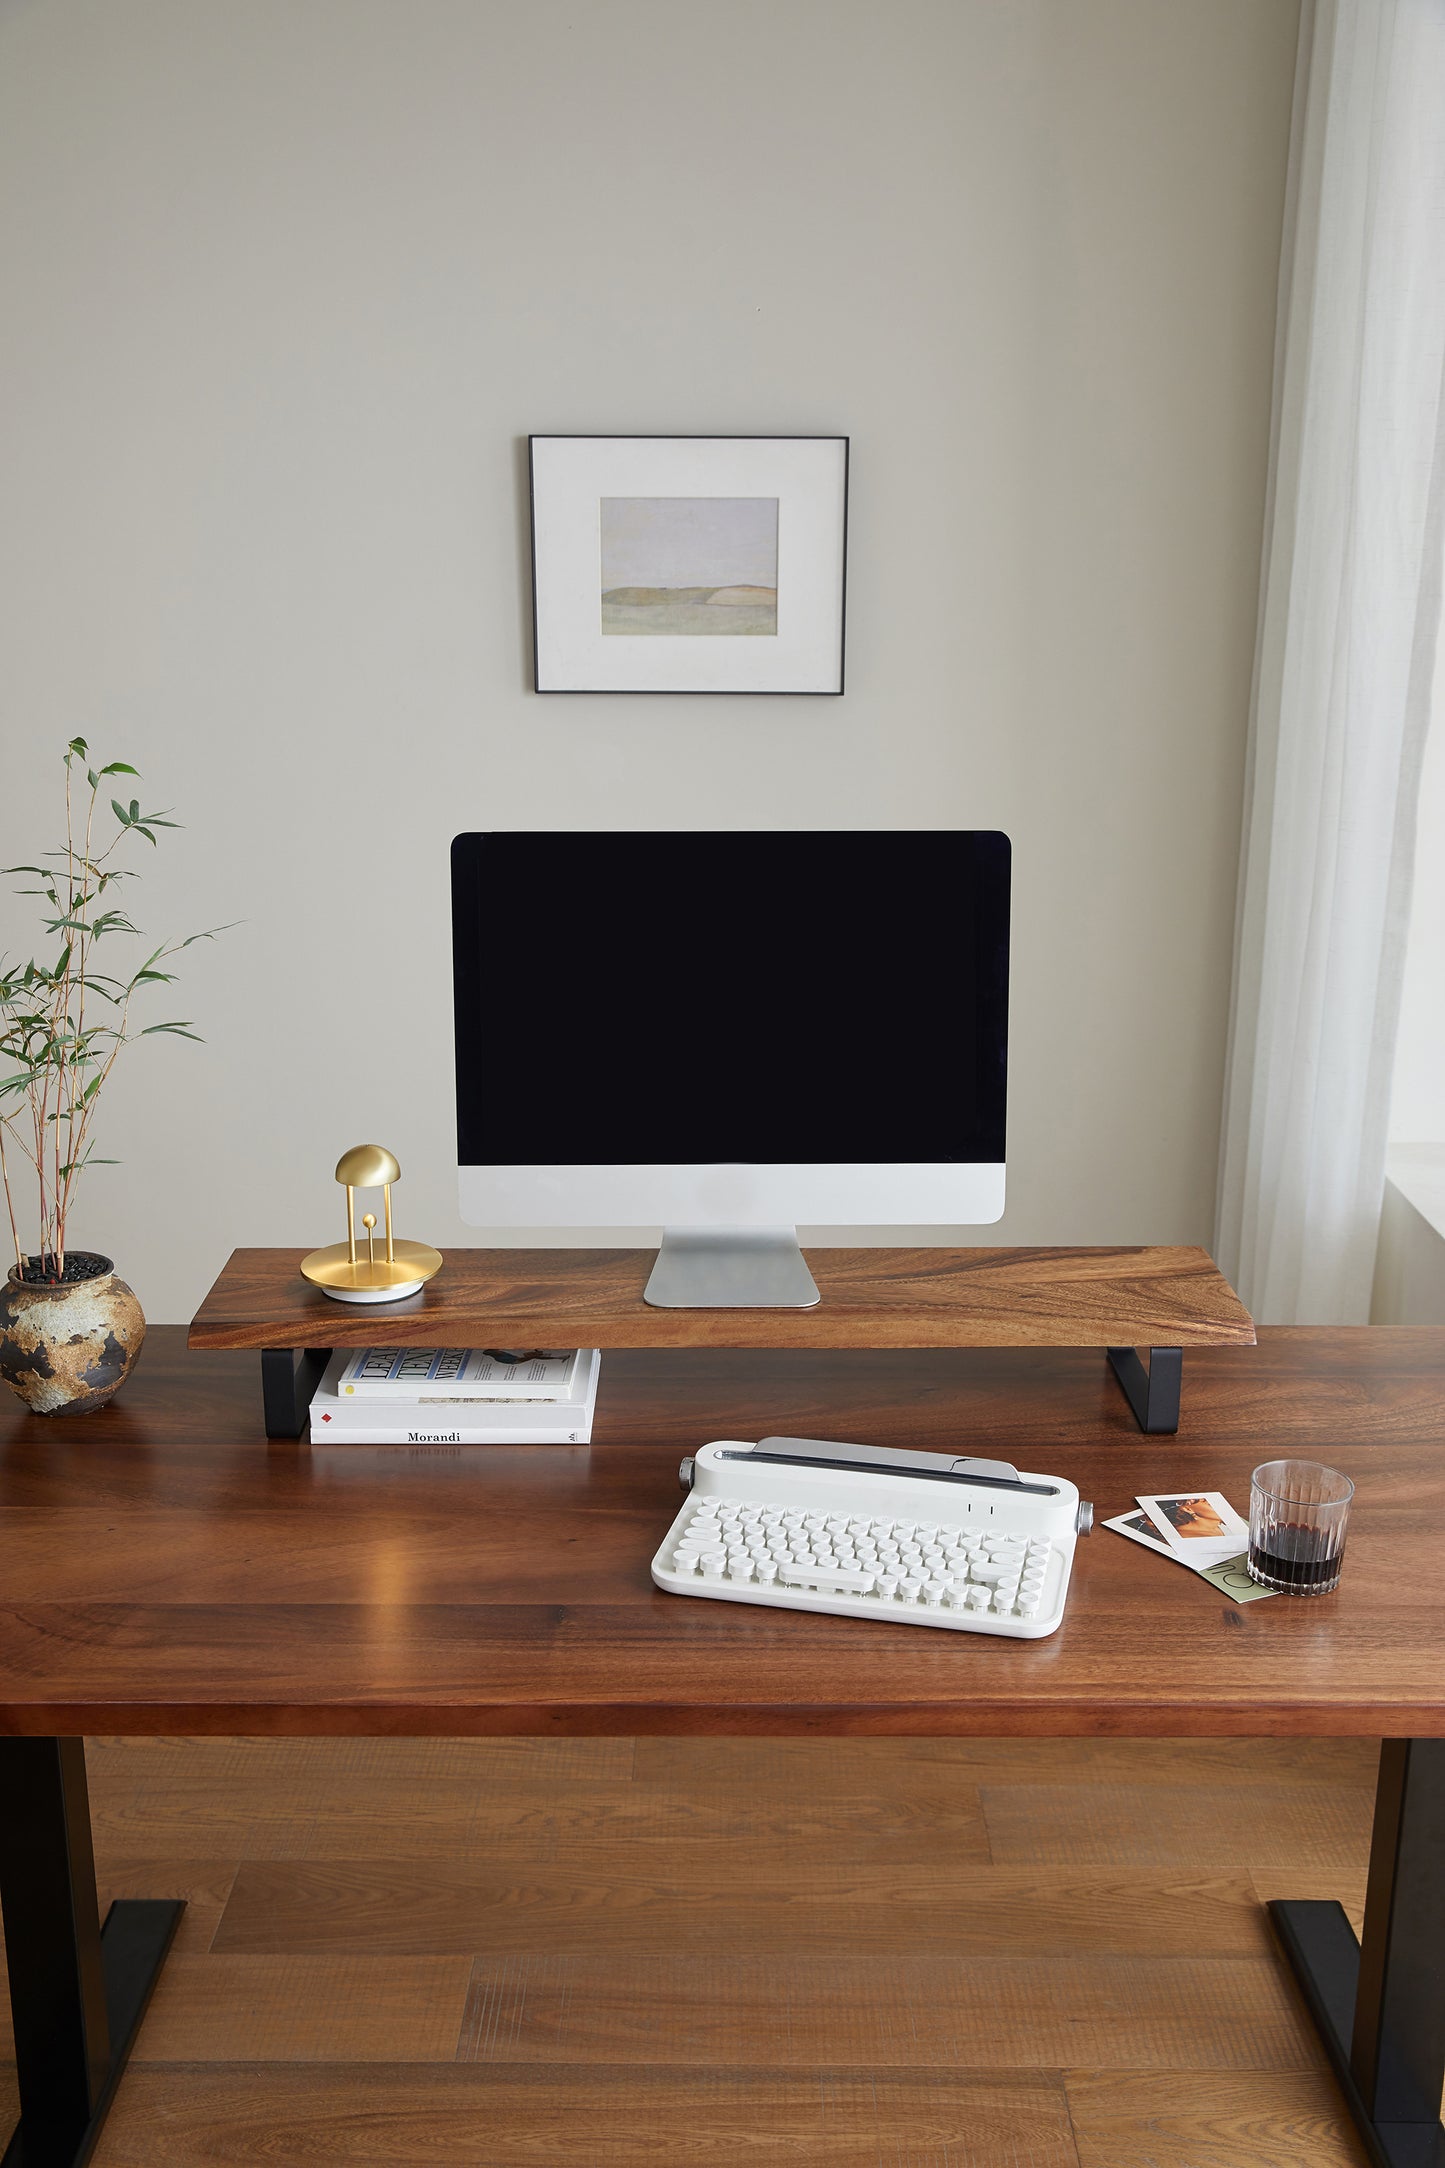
728,1035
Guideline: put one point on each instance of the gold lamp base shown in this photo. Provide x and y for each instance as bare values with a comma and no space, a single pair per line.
345,1279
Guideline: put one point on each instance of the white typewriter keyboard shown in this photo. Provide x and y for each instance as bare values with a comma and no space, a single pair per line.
921,1539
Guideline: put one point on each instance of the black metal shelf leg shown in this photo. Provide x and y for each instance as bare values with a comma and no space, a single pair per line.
1380,2008
78,1991
1153,1394
289,1377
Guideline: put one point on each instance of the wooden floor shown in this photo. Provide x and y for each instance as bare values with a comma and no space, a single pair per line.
854,1954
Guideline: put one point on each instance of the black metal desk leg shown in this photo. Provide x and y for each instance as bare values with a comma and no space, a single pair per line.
77,1991
1153,1394
1380,2008
287,1385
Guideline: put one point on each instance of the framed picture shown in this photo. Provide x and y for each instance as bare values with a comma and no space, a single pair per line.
688,564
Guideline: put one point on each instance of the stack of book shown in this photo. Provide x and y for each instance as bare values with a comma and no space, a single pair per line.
456,1396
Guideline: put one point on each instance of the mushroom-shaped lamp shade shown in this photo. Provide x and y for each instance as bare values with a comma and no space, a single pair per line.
367,1166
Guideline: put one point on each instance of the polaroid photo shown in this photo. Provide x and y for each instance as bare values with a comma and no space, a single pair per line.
1195,1522
1140,1529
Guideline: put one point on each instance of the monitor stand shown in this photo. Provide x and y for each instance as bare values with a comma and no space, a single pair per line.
730,1268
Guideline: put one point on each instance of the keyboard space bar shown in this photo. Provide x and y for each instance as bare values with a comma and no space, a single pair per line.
828,1580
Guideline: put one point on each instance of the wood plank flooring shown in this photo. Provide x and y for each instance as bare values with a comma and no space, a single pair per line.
830,1954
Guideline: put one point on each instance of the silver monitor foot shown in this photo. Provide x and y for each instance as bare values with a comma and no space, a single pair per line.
735,1268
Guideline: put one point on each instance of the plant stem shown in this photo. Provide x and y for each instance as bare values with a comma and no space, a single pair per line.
10,1205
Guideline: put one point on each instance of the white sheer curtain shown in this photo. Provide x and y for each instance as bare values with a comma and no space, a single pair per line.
1349,610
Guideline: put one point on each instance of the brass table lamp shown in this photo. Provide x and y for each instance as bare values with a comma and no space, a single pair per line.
347,1274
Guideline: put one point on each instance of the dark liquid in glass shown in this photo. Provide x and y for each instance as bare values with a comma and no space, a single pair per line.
1298,1557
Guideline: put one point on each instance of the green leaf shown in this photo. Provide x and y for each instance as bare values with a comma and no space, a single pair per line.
119,767
140,829
182,1031
120,812
77,746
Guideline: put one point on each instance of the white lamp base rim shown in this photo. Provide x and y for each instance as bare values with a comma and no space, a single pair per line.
374,1294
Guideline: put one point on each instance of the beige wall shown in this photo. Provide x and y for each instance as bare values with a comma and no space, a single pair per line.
285,286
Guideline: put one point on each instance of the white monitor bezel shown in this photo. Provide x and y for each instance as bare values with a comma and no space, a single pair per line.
964,1194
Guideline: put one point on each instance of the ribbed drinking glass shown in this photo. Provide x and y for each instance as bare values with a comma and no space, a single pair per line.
1299,1514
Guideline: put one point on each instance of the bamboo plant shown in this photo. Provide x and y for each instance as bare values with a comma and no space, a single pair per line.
63,1023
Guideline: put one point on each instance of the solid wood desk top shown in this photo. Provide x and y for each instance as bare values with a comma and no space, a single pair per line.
1119,1297
163,1569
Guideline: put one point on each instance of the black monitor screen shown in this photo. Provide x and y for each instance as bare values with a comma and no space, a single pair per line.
823,998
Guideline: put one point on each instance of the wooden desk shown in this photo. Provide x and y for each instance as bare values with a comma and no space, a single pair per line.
165,1571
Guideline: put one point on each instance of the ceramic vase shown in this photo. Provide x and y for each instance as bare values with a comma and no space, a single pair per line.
66,1348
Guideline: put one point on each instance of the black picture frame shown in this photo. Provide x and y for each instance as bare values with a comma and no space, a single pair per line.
560,649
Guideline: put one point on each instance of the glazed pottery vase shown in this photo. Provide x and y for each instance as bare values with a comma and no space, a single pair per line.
66,1347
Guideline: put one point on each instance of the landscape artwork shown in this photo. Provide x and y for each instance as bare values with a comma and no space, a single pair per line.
701,567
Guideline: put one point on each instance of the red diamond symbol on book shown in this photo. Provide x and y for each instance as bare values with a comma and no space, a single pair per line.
326,1418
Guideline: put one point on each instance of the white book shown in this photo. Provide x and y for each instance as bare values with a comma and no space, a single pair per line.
388,1421
462,1373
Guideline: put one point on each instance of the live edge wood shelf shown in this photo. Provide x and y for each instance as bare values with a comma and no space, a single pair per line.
1118,1299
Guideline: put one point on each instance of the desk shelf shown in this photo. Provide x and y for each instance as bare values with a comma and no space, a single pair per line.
1118,1299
